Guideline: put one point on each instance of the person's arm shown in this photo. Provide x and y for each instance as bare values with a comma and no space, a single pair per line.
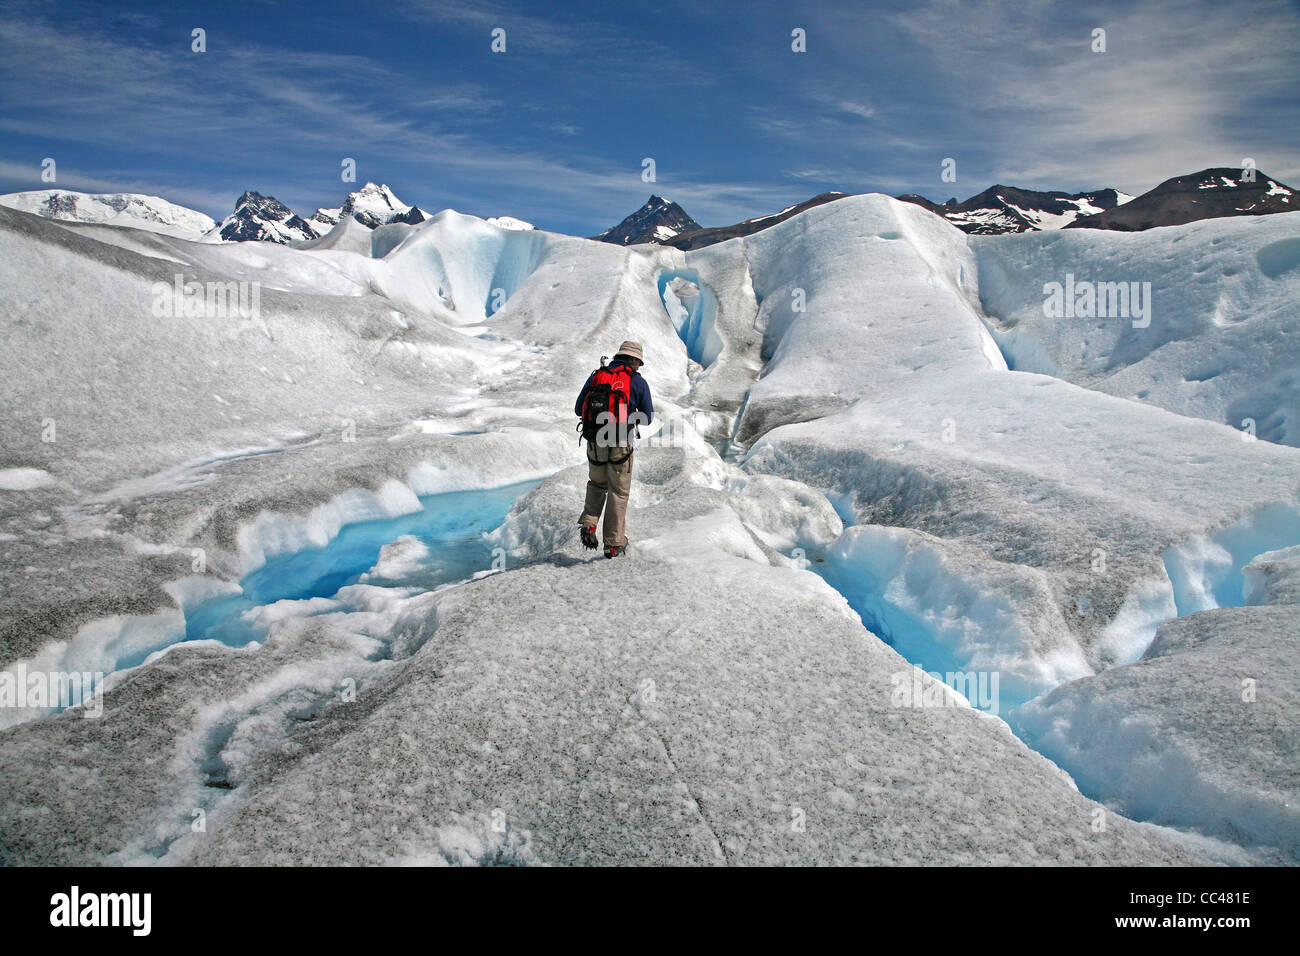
641,398
582,396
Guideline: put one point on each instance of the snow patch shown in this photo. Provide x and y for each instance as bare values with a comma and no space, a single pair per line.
24,479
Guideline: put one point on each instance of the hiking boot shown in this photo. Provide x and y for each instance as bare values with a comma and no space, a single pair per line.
615,550
588,533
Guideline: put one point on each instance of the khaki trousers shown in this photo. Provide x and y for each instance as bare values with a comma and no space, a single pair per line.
608,486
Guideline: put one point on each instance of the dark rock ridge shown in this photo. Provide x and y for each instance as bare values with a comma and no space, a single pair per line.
1209,194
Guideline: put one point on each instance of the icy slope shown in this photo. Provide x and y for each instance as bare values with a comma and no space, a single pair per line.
673,732
271,265
1219,342
565,300
347,235
1200,732
878,289
911,418
509,222
166,429
1034,529
86,315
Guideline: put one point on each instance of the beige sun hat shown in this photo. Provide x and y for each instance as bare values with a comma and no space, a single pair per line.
630,349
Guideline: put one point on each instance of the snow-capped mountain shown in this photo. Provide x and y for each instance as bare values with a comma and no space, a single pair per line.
1002,209
112,209
1209,194
997,210
659,220
263,218
266,219
323,220
372,205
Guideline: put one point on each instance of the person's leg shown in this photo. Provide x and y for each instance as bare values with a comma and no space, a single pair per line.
619,483
597,488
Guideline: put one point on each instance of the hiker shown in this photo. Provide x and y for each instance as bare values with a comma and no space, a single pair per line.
613,402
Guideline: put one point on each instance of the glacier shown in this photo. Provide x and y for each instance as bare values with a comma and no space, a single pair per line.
873,453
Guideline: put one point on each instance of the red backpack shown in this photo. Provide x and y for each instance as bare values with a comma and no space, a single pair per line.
606,404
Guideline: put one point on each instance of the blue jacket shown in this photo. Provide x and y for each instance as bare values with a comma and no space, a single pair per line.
638,401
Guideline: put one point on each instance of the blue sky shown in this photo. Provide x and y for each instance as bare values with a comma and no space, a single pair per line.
554,130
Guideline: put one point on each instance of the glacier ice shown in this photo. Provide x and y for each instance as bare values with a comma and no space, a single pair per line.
841,405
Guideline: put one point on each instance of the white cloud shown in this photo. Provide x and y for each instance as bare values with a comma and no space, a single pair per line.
854,108
1177,89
